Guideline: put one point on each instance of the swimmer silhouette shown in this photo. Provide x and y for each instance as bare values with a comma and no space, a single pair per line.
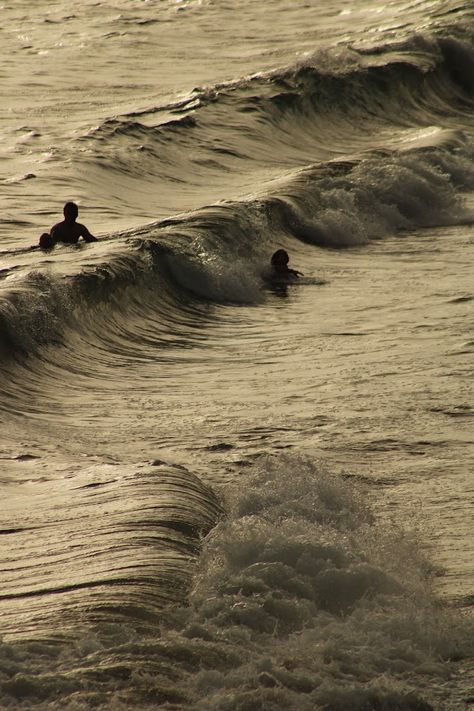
280,268
46,241
68,231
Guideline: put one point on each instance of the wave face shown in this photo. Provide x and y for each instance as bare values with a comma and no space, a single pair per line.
223,491
219,253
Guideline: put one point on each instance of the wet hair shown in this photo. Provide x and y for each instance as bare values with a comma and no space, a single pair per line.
46,241
280,257
70,209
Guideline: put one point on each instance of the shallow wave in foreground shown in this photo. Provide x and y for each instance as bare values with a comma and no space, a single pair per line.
302,600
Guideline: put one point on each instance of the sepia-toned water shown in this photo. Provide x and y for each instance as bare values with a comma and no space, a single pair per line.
218,491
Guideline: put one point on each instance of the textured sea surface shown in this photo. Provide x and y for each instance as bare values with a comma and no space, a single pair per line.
220,492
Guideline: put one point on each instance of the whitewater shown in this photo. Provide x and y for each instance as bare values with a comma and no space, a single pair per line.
218,491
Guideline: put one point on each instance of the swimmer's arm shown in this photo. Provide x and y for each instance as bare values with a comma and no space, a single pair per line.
86,235
53,233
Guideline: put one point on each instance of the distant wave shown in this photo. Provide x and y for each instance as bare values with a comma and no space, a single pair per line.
348,78
278,132
299,109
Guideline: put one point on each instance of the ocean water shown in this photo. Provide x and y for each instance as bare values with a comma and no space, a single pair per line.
219,492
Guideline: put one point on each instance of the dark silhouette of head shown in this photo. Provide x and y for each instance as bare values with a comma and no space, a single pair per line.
46,241
70,211
280,258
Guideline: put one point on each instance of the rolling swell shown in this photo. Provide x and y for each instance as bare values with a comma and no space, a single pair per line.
117,544
161,277
295,112
331,170
308,138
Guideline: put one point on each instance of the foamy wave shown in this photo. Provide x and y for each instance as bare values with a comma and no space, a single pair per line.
33,312
324,606
220,252
303,600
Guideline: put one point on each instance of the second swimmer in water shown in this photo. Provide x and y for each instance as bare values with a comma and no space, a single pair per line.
280,268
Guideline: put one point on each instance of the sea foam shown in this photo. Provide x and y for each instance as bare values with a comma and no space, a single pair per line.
303,599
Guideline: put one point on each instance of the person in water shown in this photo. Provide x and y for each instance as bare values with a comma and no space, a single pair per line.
68,231
280,268
46,241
